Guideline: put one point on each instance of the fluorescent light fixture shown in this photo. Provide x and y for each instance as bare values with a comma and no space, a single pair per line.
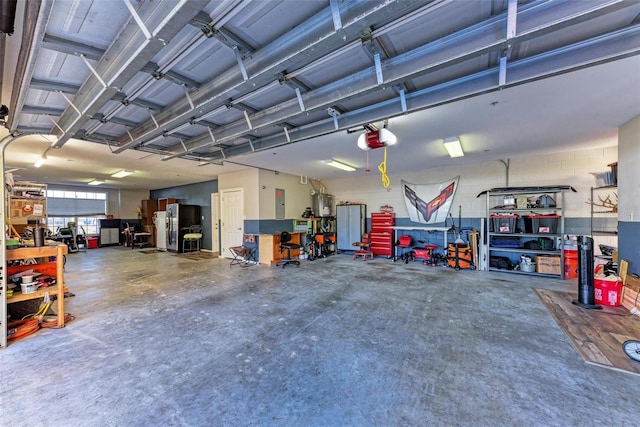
453,147
122,173
96,182
40,161
339,165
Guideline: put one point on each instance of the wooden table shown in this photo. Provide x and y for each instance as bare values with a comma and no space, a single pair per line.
269,247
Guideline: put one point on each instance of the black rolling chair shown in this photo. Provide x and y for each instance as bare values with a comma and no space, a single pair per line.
285,244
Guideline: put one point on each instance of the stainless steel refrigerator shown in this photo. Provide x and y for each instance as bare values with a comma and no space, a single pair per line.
160,221
179,219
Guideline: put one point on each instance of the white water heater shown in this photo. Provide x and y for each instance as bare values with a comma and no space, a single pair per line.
322,205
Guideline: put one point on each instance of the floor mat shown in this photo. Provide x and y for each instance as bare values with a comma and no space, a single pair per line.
597,335
196,256
150,251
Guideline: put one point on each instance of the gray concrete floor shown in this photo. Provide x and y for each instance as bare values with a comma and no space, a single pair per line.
163,340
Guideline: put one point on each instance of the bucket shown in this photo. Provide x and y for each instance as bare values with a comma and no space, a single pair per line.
571,263
29,288
38,236
607,292
26,278
528,267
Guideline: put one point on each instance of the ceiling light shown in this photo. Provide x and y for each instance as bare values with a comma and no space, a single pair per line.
96,182
453,147
339,165
122,173
40,161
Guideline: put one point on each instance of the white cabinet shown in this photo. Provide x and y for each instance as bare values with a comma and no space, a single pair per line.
109,232
109,236
526,222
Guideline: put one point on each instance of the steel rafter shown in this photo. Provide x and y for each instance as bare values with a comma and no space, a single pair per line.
126,56
310,42
537,18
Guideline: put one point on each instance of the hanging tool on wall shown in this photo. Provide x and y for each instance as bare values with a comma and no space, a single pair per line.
459,239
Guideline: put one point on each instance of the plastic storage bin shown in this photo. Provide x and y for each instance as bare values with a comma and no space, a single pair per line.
92,242
541,223
504,223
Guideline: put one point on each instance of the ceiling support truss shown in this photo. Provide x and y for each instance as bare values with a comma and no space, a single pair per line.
616,45
460,46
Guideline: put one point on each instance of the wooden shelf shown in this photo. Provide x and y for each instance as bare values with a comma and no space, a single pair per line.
57,250
19,296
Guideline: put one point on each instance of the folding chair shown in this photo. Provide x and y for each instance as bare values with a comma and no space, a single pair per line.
245,255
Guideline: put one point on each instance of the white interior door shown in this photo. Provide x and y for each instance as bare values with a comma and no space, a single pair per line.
215,221
231,219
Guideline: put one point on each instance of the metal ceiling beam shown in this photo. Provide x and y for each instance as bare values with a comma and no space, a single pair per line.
38,109
179,79
70,47
439,54
204,23
34,27
127,54
122,98
173,76
610,47
311,41
51,86
33,129
520,72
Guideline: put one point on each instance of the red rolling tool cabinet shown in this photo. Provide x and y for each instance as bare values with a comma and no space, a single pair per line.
381,233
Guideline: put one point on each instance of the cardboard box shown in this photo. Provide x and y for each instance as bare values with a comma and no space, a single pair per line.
22,210
548,264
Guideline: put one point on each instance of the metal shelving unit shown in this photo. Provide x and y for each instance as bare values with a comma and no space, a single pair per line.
603,222
603,229
495,205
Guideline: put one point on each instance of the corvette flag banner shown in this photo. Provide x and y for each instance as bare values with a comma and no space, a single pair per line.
429,203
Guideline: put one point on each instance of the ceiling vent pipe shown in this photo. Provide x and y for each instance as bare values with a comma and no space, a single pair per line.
7,16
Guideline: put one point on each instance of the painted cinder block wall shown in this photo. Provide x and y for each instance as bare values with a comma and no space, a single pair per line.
565,168
572,168
629,187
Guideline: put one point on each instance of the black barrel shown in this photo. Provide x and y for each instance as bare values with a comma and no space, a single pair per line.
38,236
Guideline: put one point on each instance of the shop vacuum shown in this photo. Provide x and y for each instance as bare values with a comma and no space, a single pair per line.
586,296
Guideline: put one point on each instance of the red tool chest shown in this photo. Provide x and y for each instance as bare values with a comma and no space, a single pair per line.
381,234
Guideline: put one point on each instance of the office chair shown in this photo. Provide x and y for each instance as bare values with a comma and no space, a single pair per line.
194,235
285,244
245,254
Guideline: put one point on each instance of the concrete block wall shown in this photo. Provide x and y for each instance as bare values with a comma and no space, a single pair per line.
572,168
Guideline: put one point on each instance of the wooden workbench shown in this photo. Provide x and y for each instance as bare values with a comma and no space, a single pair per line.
269,247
